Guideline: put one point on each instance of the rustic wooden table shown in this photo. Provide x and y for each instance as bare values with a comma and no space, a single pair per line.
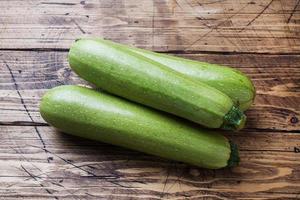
261,38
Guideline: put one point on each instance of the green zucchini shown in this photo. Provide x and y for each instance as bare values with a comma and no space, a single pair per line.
100,116
228,80
134,77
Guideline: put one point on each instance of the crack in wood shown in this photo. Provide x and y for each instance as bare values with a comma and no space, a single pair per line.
294,10
39,175
176,2
35,178
258,15
166,181
18,91
25,107
178,177
79,27
215,27
106,178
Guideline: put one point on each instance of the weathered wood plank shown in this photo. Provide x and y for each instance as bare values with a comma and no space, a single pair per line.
184,25
80,168
25,76
266,141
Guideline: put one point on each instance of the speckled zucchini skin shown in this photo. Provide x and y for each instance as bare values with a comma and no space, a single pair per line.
230,81
137,78
100,116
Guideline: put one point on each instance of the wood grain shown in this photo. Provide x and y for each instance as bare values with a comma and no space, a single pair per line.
80,169
161,25
275,77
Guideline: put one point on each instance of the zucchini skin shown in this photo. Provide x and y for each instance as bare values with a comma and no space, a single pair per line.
134,77
103,117
230,81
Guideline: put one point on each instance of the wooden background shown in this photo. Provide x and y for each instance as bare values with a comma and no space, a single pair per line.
259,37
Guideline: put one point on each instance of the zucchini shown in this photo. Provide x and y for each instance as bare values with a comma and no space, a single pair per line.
134,77
230,81
100,116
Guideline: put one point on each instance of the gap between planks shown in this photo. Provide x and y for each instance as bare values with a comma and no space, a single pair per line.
166,52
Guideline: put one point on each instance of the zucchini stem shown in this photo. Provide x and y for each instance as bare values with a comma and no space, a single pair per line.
234,119
234,155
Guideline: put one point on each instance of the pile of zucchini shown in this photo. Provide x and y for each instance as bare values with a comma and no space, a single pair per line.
151,102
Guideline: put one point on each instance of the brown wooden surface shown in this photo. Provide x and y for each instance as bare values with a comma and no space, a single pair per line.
164,25
261,38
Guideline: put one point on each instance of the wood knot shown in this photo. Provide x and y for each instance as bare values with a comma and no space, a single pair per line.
294,120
